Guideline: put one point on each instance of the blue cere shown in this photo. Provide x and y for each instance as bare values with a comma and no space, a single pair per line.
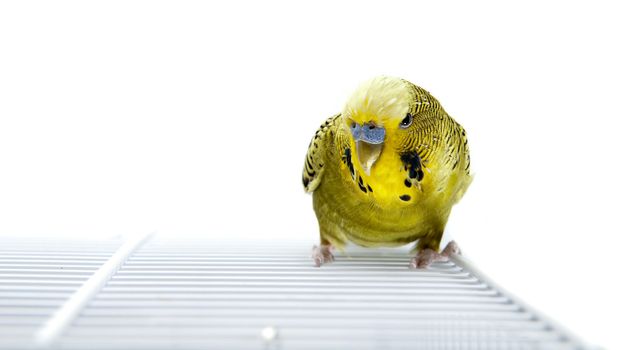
368,133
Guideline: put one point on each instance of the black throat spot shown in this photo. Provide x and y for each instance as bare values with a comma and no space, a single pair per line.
412,164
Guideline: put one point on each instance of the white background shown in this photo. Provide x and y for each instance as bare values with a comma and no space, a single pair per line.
123,117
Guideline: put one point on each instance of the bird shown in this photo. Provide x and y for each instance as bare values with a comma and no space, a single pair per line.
386,171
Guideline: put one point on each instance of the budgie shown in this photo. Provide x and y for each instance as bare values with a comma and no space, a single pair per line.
386,171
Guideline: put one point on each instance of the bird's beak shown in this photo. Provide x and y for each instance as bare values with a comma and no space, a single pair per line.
369,139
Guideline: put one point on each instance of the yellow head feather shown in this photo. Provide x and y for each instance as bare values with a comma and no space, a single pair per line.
381,100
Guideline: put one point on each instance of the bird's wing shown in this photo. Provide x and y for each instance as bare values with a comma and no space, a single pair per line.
457,162
314,161
465,162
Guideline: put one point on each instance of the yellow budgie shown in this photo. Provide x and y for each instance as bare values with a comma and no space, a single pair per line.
386,171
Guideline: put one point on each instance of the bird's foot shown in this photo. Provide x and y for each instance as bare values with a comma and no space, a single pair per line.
426,257
322,255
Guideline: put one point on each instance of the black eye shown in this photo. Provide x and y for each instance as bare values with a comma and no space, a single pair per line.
406,121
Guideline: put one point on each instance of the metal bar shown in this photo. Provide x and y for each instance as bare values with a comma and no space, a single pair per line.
57,324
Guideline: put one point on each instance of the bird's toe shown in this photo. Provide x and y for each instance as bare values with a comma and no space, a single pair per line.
321,255
451,249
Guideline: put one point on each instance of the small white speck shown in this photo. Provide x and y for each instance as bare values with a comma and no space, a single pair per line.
269,333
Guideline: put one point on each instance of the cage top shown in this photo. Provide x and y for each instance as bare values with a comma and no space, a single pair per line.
162,292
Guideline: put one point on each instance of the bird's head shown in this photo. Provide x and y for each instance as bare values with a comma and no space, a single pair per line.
385,112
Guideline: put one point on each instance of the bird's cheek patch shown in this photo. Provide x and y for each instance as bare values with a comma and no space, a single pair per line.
412,164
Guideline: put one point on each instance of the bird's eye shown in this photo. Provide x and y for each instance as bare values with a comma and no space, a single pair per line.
406,121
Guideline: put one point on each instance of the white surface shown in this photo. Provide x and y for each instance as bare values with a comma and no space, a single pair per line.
128,117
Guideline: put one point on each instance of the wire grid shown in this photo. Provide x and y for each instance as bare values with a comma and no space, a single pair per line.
38,275
192,293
